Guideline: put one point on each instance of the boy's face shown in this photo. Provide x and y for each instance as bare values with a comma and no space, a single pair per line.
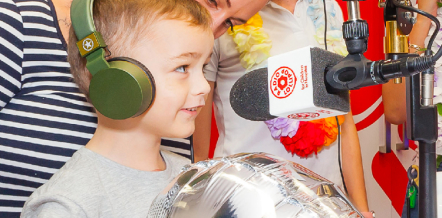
175,53
226,12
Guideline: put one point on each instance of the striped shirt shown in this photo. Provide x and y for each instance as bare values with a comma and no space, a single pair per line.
44,118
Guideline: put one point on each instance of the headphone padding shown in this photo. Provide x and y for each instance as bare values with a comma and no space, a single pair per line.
126,89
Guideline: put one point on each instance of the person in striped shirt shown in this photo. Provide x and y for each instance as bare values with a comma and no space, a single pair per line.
44,118
121,169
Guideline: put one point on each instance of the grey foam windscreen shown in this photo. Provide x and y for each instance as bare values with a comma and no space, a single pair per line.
249,96
338,100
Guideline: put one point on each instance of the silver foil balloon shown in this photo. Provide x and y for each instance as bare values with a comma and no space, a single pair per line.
250,185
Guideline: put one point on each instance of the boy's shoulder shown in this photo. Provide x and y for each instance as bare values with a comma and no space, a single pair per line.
78,170
89,184
84,177
72,188
81,167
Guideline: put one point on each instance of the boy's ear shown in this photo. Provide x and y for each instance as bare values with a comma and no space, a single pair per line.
121,87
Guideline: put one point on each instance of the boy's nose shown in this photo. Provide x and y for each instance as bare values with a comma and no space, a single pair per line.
202,86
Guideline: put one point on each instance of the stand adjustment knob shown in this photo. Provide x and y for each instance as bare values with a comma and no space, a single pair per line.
355,29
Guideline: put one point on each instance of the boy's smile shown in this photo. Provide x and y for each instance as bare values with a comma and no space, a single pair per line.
192,111
175,52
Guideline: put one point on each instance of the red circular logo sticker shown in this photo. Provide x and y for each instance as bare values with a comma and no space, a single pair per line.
305,115
283,82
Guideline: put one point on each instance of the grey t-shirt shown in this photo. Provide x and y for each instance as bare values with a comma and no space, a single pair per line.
90,185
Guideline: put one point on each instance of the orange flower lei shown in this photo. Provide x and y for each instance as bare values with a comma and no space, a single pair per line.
329,127
312,136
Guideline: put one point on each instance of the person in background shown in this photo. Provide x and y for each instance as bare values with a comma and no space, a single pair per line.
121,169
44,118
279,27
225,15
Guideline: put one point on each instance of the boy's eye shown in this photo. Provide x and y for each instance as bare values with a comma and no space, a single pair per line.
181,69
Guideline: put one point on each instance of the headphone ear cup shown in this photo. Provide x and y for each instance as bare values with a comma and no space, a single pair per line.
126,89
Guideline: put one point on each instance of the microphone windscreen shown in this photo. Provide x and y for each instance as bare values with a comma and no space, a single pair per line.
339,99
249,96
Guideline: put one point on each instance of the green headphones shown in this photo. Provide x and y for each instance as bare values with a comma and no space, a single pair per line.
121,87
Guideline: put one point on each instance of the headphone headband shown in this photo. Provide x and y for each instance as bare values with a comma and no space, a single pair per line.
91,44
82,14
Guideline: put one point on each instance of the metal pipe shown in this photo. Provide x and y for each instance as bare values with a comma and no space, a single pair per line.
427,89
353,10
427,179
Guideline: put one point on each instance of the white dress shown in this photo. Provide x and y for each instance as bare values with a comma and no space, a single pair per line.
287,31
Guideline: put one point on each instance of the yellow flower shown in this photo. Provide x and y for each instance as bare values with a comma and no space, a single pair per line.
254,21
251,42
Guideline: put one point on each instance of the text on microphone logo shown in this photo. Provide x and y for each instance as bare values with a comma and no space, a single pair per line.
324,111
282,82
305,115
304,77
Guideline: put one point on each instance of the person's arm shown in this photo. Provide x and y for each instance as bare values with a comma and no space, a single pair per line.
352,164
203,126
422,25
11,52
203,122
394,99
351,157
393,95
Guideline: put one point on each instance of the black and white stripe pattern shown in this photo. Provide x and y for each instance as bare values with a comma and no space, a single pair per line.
43,117
178,146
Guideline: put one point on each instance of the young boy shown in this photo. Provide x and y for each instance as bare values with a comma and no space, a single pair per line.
121,170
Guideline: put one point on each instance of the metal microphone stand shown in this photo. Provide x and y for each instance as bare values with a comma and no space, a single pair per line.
421,113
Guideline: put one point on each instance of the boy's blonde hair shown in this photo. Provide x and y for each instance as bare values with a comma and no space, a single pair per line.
123,23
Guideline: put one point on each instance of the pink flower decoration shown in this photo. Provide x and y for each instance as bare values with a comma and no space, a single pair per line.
282,127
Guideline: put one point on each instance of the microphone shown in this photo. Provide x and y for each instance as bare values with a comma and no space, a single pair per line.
312,83
292,86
